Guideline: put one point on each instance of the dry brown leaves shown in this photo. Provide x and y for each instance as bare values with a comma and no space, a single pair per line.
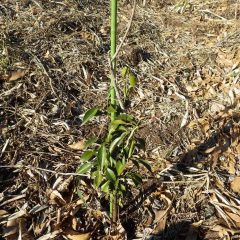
80,145
15,75
235,185
73,235
194,54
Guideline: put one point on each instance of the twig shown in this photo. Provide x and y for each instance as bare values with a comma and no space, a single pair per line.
214,14
43,169
5,146
37,3
40,64
46,73
115,87
8,92
13,199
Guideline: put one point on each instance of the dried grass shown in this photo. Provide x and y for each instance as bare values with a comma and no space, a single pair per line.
186,57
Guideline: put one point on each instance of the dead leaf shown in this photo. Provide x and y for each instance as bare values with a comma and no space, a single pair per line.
11,229
185,119
217,232
231,165
55,197
3,212
219,211
218,182
235,217
220,232
16,229
219,228
73,235
65,185
209,150
161,218
17,75
80,145
74,223
161,215
216,107
235,185
51,235
19,214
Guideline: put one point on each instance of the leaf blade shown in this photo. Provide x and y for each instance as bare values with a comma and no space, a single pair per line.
84,168
90,141
146,164
102,156
87,155
132,80
97,179
111,175
105,186
117,141
119,167
89,115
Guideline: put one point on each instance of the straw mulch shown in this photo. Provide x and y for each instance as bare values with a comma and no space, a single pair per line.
54,66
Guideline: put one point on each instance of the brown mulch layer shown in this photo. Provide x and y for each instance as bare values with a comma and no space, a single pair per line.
54,66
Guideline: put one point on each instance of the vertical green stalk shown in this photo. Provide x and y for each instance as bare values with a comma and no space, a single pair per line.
113,50
111,207
114,206
113,203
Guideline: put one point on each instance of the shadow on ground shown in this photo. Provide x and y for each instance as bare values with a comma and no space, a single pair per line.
221,140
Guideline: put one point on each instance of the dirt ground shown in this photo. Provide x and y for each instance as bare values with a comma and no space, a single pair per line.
54,66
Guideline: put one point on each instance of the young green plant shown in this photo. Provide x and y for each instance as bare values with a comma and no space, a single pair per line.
109,163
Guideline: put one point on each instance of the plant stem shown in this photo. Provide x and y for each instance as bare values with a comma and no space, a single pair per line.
113,51
113,207
113,195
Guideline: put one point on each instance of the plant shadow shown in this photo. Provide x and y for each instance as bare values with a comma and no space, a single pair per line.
220,140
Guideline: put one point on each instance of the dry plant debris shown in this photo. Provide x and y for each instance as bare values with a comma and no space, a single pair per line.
53,58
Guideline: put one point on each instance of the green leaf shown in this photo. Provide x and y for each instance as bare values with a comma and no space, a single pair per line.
124,71
112,161
115,124
90,141
87,155
84,167
137,179
111,109
119,167
122,187
89,115
98,177
111,175
122,128
117,141
132,80
105,186
102,157
118,122
145,164
132,148
135,162
125,117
